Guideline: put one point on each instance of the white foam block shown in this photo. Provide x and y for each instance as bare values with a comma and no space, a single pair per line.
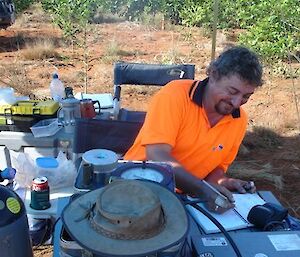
54,197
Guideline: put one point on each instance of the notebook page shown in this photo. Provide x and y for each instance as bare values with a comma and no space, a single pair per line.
230,220
244,203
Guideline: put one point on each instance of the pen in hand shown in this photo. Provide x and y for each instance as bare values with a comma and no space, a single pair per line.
221,202
249,187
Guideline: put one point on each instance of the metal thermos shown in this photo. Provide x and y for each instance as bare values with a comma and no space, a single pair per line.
69,111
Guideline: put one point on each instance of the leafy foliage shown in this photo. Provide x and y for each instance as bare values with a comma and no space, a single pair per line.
271,26
71,16
275,34
22,5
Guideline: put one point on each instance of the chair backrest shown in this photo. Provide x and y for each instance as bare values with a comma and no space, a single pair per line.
113,135
151,74
147,74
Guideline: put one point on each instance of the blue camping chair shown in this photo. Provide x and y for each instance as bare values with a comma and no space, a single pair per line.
119,133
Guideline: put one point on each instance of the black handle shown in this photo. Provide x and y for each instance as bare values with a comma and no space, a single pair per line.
99,106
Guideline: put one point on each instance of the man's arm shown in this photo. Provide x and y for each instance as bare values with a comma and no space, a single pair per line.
184,180
218,176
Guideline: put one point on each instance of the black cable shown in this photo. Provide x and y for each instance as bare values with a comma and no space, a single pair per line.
54,224
275,226
47,233
1,179
217,223
185,250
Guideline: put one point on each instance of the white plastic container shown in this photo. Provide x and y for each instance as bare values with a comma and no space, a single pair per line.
45,128
57,88
7,95
46,166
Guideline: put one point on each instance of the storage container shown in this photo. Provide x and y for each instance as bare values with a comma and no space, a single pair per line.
21,123
45,128
30,107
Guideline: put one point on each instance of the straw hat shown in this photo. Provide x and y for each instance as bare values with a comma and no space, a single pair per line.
126,218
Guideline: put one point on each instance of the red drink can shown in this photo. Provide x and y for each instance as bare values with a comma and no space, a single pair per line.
39,184
40,194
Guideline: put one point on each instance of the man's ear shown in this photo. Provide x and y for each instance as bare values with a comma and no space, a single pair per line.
212,74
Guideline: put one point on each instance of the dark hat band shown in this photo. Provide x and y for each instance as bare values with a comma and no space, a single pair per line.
130,234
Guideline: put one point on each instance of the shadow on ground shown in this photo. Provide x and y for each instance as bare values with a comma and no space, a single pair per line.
273,162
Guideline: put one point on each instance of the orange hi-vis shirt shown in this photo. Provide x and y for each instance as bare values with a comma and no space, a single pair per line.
176,117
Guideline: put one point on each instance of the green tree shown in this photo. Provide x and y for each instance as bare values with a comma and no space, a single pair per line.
276,31
272,26
72,16
22,5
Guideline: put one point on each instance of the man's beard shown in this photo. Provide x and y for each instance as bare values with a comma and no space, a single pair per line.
224,108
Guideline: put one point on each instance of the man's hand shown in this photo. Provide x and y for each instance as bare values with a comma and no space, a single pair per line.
218,176
191,184
218,198
238,185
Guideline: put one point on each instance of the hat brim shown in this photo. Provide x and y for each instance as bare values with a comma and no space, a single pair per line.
175,230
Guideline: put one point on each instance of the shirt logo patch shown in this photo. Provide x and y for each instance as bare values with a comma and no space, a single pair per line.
218,148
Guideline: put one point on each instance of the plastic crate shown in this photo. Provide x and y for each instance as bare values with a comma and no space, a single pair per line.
45,128
21,123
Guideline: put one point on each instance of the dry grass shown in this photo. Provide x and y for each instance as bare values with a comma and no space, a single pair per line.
104,17
40,49
283,69
261,137
252,170
15,75
43,251
32,17
171,56
114,52
156,21
114,49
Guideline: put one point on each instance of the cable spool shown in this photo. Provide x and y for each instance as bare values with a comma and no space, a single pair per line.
103,162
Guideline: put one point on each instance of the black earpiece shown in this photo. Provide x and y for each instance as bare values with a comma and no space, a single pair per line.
263,216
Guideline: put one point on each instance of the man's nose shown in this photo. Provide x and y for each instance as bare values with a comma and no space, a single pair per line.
236,101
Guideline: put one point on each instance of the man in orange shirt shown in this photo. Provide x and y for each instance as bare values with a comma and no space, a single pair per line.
198,126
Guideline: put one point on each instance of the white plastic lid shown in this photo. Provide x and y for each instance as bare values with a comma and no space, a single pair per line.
102,159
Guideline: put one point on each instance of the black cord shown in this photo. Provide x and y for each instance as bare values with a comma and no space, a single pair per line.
46,235
217,223
54,225
276,226
185,250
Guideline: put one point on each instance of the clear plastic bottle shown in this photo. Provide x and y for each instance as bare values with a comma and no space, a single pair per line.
57,88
